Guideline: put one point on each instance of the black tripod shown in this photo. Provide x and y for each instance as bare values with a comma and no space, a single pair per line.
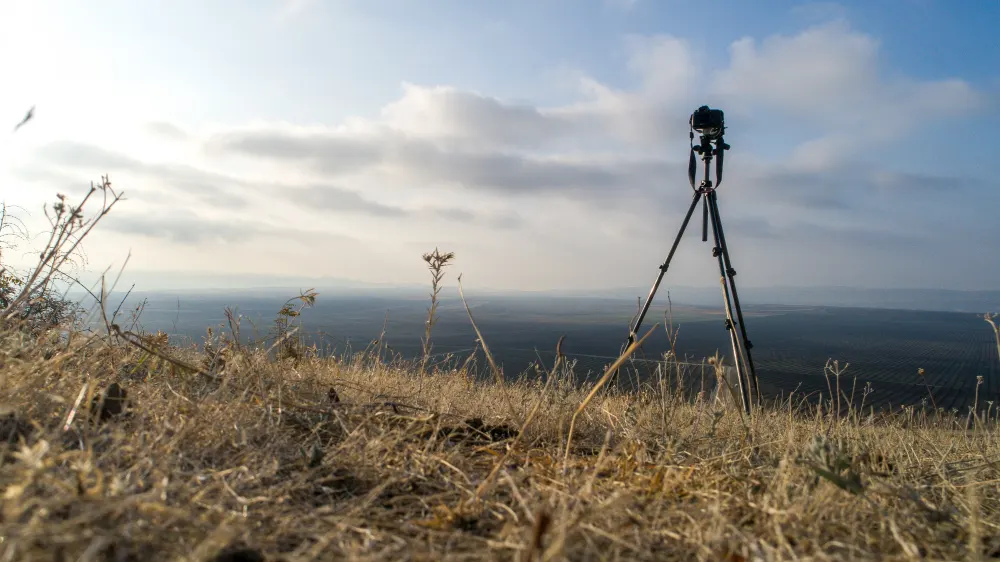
711,145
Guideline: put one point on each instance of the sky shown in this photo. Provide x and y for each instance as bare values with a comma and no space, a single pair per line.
542,141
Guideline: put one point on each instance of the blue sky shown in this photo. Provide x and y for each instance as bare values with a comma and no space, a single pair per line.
544,142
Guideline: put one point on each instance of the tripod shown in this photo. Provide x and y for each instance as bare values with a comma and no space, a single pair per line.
712,145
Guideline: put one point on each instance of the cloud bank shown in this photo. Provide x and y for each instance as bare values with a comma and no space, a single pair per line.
586,193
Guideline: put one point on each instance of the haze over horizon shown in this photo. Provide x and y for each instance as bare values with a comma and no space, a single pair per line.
543,142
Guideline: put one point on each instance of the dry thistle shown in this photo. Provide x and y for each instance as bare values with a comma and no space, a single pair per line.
436,262
68,229
287,345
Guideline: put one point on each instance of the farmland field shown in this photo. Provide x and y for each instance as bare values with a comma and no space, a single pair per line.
884,348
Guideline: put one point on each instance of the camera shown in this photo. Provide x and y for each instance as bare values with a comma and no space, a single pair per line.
710,123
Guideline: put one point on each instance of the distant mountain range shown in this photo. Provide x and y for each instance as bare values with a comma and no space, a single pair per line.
944,300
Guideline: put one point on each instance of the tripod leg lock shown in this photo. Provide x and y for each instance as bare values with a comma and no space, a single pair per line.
729,324
716,252
731,272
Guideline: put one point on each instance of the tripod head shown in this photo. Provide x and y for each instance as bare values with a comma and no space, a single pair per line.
711,126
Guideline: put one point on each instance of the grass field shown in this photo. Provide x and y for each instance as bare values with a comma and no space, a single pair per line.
391,465
119,446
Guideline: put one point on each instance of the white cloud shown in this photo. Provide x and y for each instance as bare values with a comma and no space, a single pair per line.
830,76
448,114
822,71
586,193
654,115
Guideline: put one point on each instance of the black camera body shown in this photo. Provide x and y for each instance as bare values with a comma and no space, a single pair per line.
710,123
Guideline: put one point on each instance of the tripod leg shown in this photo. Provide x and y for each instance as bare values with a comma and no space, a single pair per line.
663,270
659,278
730,275
743,377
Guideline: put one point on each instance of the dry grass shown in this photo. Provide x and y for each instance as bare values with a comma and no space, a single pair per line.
291,456
260,453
